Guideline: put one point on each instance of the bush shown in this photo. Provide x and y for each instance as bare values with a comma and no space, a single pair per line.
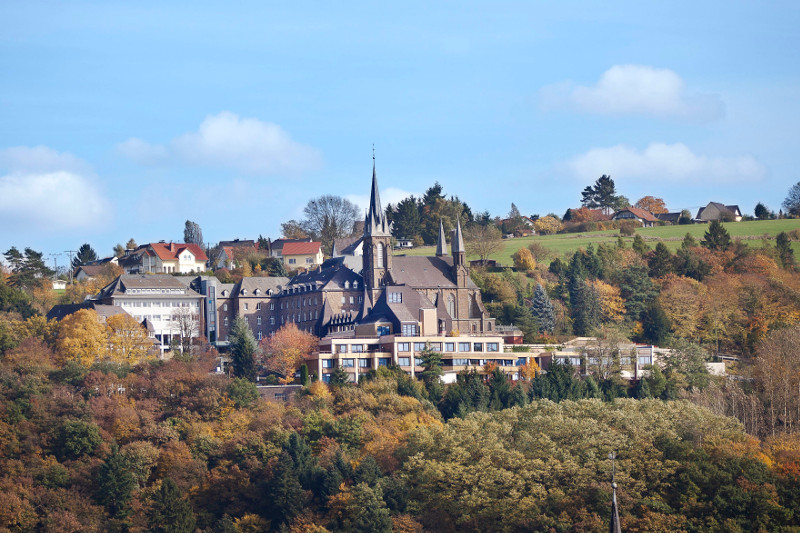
627,228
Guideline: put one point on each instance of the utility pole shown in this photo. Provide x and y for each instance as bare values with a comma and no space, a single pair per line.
614,526
55,263
70,252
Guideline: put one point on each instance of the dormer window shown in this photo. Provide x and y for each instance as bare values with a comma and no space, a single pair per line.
346,284
355,284
244,292
256,292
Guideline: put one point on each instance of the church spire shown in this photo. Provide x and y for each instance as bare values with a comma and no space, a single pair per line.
375,223
441,245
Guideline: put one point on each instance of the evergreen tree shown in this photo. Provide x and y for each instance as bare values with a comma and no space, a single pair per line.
406,218
783,246
115,484
717,237
688,241
558,383
86,254
170,512
339,377
192,234
367,471
762,212
27,269
119,250
431,373
639,246
131,244
286,495
243,350
603,194
542,309
660,262
585,306
655,324
637,290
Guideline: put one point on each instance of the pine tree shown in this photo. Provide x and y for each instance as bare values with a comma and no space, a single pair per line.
115,484
637,290
655,324
542,309
717,237
170,512
688,241
243,350
286,495
660,262
785,253
86,254
639,246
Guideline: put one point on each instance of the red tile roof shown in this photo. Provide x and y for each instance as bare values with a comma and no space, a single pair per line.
301,248
644,214
171,251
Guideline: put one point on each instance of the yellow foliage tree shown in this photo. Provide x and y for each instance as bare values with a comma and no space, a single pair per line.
547,225
523,260
652,204
82,338
128,341
681,299
612,306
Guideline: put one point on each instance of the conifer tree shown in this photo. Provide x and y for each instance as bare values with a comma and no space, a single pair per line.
785,253
542,309
660,262
243,350
170,512
717,237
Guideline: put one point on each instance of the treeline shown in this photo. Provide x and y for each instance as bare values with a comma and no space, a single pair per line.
168,446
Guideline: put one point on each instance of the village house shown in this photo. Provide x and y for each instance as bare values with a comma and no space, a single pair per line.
643,216
164,258
302,254
718,211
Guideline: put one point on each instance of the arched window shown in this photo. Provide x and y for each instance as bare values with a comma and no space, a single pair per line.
346,284
451,306
379,255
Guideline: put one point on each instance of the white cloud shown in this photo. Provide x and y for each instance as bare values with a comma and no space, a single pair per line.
390,195
59,200
226,140
46,188
660,161
635,90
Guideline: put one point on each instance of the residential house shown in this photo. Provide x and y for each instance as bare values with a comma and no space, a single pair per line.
718,211
230,250
643,216
669,218
276,246
87,272
302,254
162,257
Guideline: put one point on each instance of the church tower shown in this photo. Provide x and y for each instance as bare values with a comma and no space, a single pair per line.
460,272
377,258
441,244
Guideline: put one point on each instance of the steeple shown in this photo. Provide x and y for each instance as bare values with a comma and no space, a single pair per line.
375,223
459,251
441,245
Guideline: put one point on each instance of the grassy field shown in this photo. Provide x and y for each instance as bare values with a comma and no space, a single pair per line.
567,243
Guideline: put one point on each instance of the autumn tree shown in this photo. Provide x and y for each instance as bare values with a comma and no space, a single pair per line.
792,202
185,326
128,342
523,260
82,338
612,306
547,225
652,204
119,250
131,244
293,229
286,349
243,349
192,234
717,237
329,217
483,241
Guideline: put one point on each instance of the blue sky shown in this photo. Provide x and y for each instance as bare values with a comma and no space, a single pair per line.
122,120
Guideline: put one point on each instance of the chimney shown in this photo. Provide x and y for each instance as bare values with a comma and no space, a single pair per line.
171,246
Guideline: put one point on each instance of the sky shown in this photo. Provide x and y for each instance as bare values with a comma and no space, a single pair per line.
123,120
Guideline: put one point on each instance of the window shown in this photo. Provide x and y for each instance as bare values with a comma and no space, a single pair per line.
477,347
327,363
357,348
344,299
348,363
463,346
259,335
384,330
645,360
384,361
379,255
419,346
403,346
363,363
436,346
449,347
492,347
224,307
355,284
575,361
624,360
451,306
395,297
292,261
246,306
417,361
258,307
326,378
308,260
225,321
409,330
258,320
460,362
346,284
272,321
281,397
404,361
272,306
341,348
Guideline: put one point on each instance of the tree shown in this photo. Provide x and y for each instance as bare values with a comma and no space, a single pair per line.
637,290
115,484
192,234
431,373
128,342
119,250
285,350
131,244
652,204
639,246
612,307
603,194
542,309
292,229
27,270
86,254
185,322
717,237
82,338
243,350
170,511
406,218
523,260
792,202
483,241
655,324
660,262
783,245
547,225
762,212
327,218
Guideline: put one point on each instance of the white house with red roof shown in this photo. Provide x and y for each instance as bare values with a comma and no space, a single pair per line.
645,217
165,258
302,254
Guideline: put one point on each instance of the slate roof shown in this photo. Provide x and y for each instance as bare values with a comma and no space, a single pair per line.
263,284
90,270
424,272
59,312
405,311
332,274
125,282
346,245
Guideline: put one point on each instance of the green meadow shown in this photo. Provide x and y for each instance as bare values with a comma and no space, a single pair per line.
752,232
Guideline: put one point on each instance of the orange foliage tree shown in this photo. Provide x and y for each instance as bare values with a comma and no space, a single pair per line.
652,204
284,351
